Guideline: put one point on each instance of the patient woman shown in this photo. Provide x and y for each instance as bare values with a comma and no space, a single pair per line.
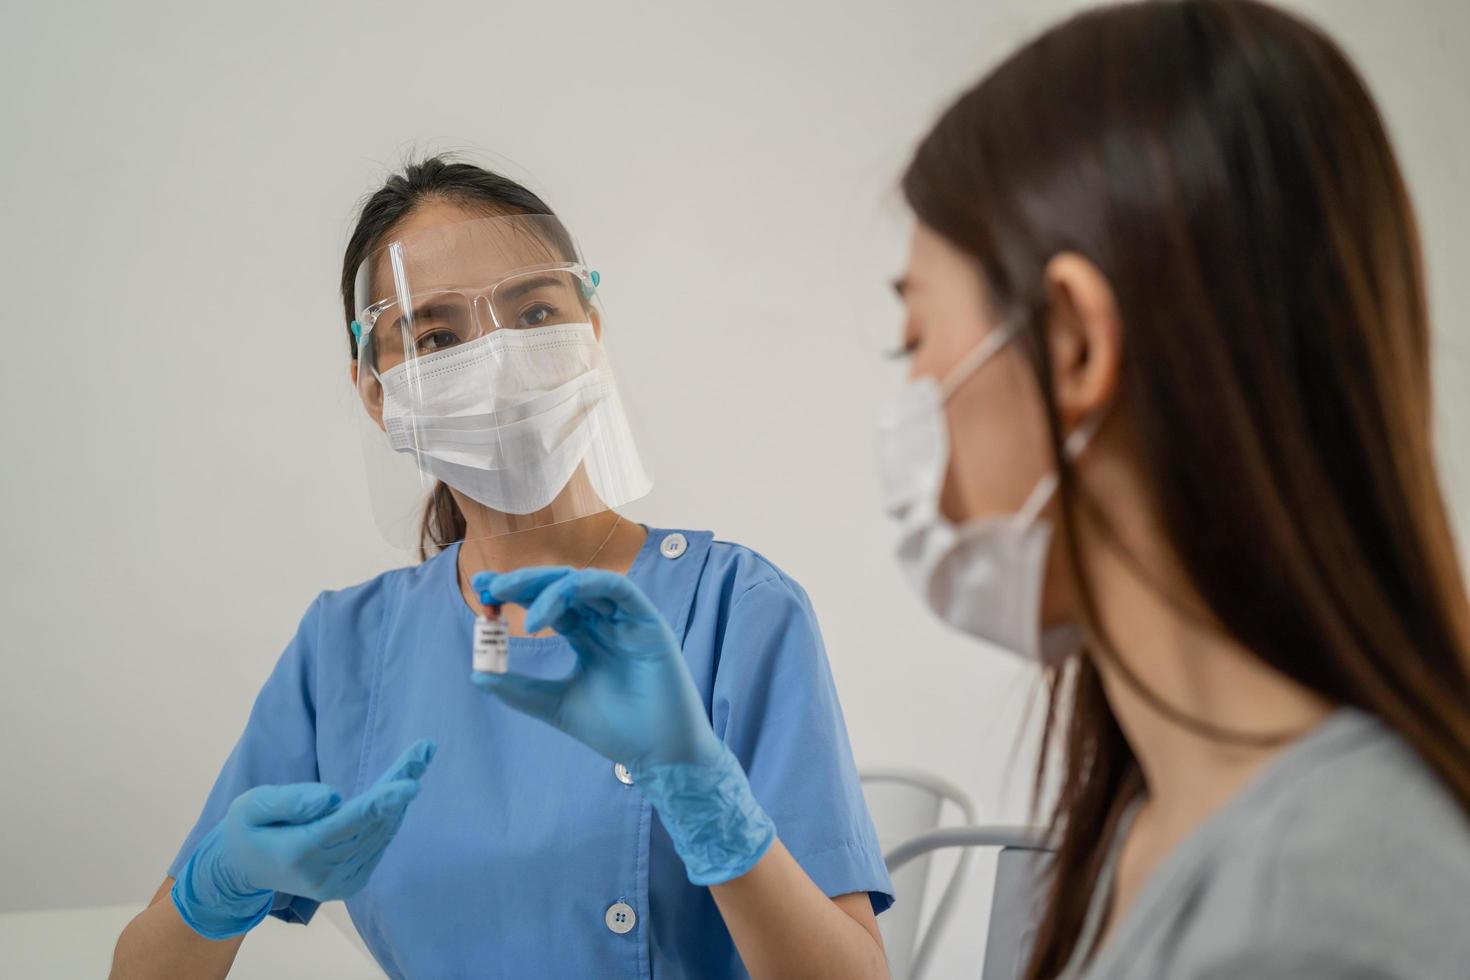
1169,431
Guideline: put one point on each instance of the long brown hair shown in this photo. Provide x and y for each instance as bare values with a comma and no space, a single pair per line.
435,178
1225,167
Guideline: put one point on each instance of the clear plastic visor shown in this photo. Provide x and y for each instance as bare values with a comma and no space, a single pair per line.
489,402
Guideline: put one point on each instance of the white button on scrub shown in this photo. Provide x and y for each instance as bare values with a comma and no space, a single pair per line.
624,776
674,545
620,917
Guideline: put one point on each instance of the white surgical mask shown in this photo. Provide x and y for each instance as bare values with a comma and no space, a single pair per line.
506,418
985,577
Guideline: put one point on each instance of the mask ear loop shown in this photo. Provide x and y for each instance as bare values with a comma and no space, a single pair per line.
1072,448
973,361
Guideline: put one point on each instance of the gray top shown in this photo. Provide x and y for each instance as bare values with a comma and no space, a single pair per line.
1346,857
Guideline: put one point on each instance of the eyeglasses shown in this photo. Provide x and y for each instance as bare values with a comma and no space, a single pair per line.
390,332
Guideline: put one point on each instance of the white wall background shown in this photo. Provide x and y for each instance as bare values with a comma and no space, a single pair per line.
181,472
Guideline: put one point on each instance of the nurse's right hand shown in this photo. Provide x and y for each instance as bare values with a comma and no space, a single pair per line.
298,839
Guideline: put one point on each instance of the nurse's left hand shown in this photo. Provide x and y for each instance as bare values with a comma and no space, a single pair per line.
630,696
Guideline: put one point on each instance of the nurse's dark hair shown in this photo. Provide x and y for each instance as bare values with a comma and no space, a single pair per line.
1224,166
435,178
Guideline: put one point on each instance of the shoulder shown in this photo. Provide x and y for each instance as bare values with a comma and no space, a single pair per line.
1365,853
749,575
1373,814
741,605
349,611
754,644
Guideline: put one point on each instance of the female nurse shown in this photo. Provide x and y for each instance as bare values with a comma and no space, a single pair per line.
1168,430
708,823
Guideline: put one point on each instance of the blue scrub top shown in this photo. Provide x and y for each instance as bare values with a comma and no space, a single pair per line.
522,839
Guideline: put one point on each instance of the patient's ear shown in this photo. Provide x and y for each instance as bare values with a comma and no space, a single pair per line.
1085,337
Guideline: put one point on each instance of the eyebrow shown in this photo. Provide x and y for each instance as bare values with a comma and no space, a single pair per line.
524,286
429,308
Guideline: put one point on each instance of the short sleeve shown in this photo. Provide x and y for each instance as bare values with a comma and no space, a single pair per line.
775,705
277,747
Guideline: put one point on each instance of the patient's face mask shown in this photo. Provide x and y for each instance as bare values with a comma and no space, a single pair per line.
479,356
985,577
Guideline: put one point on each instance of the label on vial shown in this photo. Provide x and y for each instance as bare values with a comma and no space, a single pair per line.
492,645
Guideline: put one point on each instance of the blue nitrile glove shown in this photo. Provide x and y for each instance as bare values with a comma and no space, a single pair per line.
631,699
294,839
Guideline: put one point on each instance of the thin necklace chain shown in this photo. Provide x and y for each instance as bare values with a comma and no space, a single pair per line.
610,533
463,582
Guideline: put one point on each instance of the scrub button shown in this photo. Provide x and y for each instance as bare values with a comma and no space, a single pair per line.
620,917
624,776
674,545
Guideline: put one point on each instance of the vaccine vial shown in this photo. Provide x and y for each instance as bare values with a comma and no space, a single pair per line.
492,645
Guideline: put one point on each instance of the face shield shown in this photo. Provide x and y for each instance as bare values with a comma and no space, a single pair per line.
480,364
